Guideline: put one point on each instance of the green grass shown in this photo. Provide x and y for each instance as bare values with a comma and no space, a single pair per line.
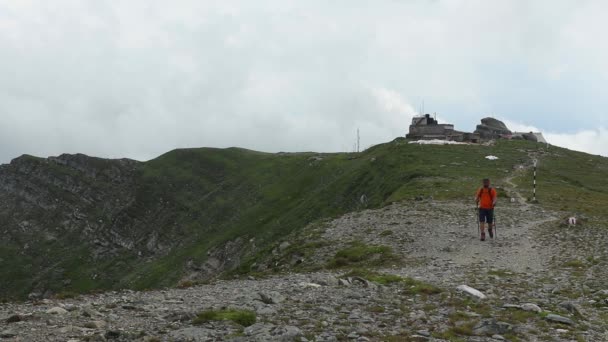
361,254
413,286
377,277
501,273
242,317
575,263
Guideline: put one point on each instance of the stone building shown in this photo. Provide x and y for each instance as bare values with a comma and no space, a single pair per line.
426,127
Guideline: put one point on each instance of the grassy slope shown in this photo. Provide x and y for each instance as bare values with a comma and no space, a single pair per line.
216,195
236,192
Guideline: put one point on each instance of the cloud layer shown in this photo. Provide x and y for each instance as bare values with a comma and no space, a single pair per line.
138,78
594,141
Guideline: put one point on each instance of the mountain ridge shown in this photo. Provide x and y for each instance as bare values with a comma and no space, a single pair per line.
75,223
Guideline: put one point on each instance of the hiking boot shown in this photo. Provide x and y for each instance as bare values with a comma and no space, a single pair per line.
491,232
483,236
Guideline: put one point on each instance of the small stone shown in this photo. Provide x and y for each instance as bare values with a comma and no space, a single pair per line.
8,334
572,308
512,306
57,311
284,245
95,325
531,307
112,334
313,285
344,282
14,319
424,333
471,291
498,337
272,297
559,319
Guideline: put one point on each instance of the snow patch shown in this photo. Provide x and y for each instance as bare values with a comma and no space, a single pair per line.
491,157
436,142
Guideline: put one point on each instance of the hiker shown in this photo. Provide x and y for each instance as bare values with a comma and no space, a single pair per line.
486,201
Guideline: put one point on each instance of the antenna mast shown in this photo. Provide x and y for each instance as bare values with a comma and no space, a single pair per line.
358,140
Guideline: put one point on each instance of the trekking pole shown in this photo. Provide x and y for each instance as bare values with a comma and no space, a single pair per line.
495,231
477,219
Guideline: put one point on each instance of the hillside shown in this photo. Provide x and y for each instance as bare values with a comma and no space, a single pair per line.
75,224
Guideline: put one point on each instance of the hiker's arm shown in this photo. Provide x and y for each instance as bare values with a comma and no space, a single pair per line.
495,199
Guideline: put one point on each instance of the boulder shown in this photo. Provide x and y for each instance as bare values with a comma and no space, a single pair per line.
530,137
491,128
531,307
471,291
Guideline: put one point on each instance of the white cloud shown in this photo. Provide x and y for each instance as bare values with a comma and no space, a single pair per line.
518,126
390,101
137,78
594,141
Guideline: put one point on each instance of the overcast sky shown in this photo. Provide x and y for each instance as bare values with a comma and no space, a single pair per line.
138,78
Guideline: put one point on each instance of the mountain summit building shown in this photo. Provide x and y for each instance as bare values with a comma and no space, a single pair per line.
426,127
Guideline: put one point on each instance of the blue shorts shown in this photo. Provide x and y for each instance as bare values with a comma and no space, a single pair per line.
486,215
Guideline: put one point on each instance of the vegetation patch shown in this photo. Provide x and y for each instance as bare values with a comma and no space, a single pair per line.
575,263
413,286
518,316
185,284
376,309
361,254
380,278
242,317
500,273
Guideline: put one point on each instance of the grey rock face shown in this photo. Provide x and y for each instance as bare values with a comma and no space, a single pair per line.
491,128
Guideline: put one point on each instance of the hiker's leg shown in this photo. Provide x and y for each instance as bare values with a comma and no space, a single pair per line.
491,223
482,219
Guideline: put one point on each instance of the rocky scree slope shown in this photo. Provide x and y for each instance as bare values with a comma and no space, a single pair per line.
542,281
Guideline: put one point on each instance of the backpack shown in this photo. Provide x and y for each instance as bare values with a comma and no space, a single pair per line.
489,192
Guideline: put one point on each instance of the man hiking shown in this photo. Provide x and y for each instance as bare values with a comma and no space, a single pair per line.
486,201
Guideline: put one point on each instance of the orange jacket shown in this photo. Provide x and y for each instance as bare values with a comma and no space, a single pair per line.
486,197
